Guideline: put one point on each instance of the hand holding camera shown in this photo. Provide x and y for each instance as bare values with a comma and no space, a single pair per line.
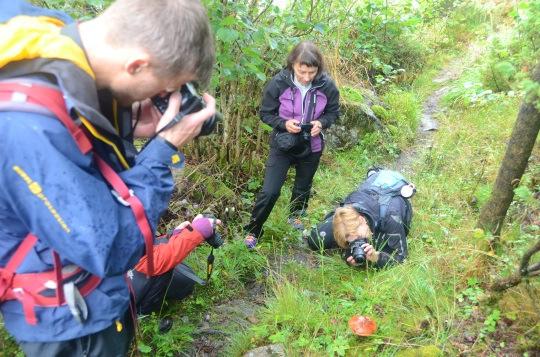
316,127
206,225
360,251
186,115
292,126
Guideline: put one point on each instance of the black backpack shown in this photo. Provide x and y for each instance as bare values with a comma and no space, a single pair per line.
386,184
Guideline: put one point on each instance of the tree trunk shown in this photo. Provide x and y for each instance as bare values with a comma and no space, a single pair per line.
513,165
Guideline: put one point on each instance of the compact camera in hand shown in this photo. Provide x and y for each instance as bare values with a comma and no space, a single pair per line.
191,103
305,131
357,252
215,240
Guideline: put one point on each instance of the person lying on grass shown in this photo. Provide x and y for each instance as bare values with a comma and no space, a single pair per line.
372,223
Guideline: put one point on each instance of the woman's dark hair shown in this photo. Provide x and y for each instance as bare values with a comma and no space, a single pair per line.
308,54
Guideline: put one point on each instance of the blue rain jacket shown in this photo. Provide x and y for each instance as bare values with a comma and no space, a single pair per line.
48,188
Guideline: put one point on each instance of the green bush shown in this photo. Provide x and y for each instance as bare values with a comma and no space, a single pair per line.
466,19
499,76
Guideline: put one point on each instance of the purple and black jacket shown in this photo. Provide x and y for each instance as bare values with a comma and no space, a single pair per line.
282,101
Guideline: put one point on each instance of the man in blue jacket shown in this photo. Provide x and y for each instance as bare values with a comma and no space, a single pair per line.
77,203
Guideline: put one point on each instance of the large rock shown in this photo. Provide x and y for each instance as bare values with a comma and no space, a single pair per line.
357,117
267,351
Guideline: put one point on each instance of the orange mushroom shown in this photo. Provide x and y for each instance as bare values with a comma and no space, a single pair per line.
362,325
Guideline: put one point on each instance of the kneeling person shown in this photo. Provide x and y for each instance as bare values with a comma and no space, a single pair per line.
171,278
372,223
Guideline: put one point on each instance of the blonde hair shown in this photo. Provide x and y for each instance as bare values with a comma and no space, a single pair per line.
348,222
176,33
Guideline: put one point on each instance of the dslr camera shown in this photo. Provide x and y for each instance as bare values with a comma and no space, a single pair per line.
191,103
356,250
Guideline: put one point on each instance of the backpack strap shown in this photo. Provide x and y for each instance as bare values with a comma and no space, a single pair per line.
53,100
126,197
8,272
27,287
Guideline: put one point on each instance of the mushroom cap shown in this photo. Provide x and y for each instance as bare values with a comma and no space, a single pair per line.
362,325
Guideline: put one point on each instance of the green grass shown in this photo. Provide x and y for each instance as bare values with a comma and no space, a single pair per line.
423,305
420,304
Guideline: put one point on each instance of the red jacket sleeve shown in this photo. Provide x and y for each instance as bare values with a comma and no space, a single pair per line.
170,254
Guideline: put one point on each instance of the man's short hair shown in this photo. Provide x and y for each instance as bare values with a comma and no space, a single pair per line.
348,222
176,33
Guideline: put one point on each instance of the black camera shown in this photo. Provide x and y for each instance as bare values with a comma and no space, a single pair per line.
305,131
357,252
215,240
191,102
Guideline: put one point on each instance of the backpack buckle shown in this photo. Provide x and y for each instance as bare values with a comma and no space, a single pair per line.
121,199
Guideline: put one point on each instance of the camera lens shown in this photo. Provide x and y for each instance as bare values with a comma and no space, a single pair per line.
209,124
215,241
357,252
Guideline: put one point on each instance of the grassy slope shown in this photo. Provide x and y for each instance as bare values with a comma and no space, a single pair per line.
432,300
429,300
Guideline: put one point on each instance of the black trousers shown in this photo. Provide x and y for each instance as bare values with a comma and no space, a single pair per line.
107,343
277,166
150,293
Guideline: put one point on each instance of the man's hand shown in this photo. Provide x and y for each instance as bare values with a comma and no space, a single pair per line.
148,118
316,128
190,125
292,126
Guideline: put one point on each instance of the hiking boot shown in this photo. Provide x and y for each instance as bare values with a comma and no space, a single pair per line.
165,324
296,223
250,241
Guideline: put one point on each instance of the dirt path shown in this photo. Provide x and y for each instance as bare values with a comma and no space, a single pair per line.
431,109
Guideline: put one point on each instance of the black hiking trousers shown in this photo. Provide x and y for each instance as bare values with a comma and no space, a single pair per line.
114,341
277,166
151,293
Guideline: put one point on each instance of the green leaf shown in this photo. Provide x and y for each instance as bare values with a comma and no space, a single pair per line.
261,76
228,21
144,348
523,193
272,43
227,35
321,28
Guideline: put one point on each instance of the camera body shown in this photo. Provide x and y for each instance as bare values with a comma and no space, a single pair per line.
191,103
215,241
357,252
305,131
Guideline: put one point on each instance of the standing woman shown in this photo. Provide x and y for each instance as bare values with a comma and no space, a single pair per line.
298,103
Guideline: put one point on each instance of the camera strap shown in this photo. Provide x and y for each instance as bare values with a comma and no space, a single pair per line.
210,264
311,107
176,119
